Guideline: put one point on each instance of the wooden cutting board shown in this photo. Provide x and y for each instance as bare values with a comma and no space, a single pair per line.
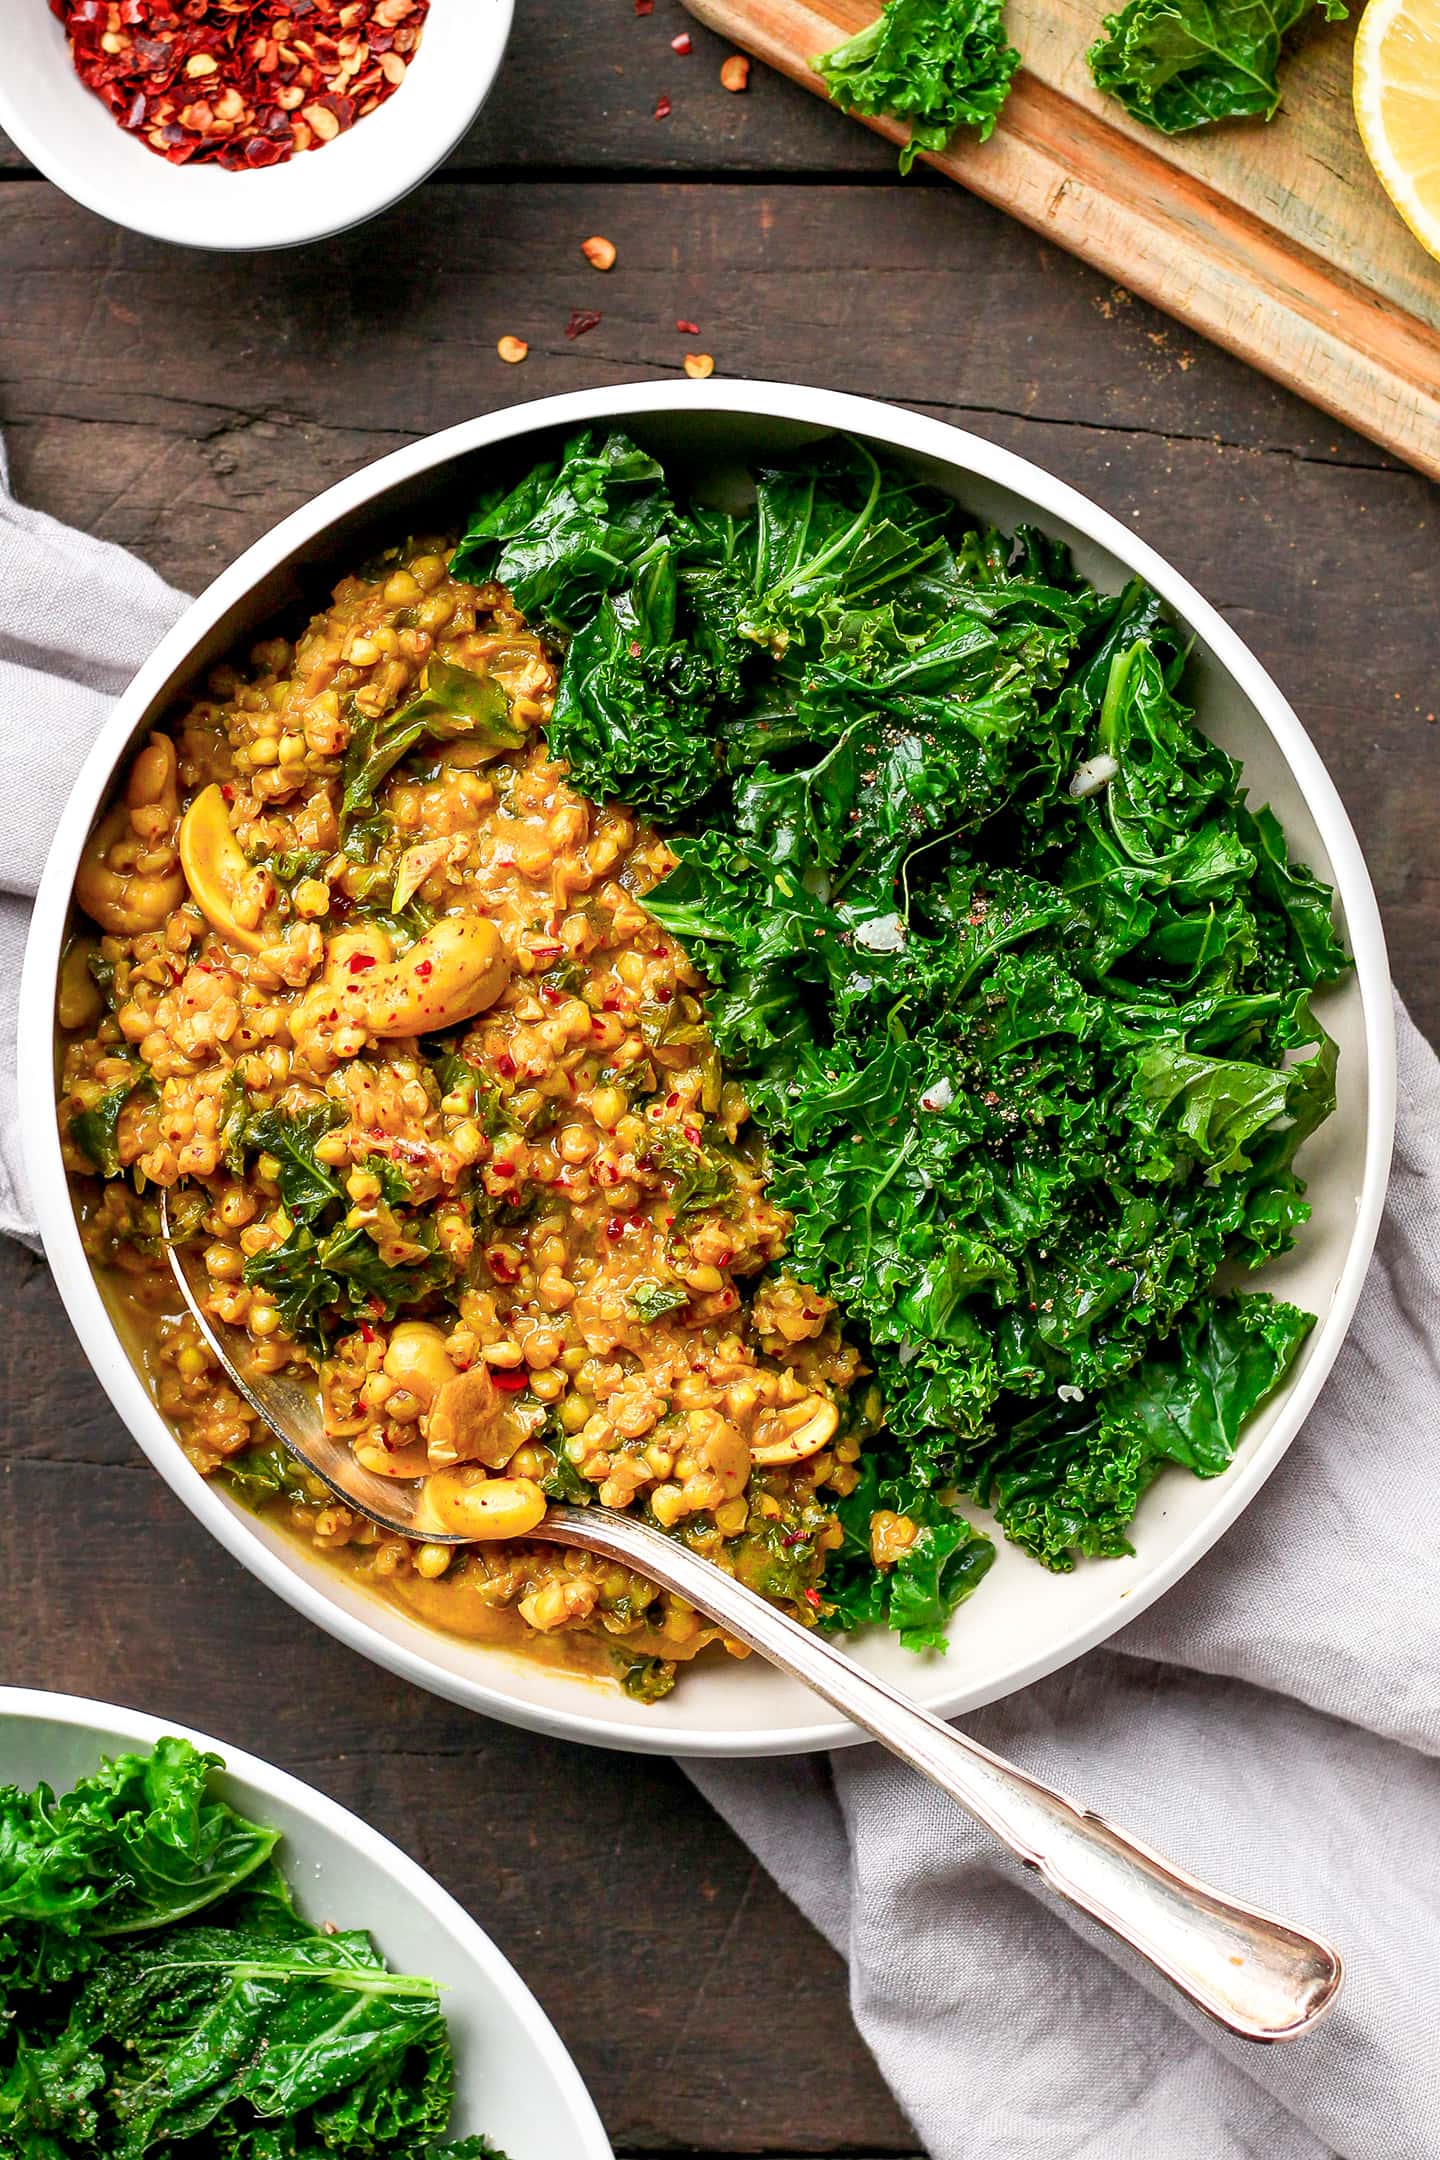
1275,240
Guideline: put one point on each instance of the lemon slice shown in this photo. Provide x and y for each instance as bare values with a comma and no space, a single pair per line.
1397,104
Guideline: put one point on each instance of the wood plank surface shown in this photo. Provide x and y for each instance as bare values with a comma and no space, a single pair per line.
180,404
1277,242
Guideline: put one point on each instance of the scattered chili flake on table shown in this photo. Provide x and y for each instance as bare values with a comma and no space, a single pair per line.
581,320
687,329
240,83
662,108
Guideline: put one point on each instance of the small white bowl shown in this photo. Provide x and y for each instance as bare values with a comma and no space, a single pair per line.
65,130
514,2079
1022,1623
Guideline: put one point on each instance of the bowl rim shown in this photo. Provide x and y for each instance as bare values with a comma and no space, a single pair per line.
378,1852
892,427
280,219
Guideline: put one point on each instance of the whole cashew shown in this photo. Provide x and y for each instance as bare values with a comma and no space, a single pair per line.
799,1430
128,902
456,970
215,867
480,1508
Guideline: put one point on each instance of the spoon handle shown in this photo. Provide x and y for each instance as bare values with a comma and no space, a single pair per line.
1257,1976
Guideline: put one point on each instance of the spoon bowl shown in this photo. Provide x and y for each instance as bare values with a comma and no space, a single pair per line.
1254,1974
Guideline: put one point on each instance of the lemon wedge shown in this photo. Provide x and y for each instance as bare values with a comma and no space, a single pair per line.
1397,105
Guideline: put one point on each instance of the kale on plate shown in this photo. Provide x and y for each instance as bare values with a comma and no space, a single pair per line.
940,64
1018,984
161,1996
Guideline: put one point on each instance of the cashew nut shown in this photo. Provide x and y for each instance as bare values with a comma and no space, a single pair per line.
125,900
416,1357
215,868
405,1462
478,1507
791,1434
721,1450
451,973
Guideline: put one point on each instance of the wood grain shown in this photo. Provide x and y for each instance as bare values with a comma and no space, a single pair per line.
1277,242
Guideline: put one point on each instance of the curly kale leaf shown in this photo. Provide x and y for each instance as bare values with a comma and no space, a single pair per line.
573,532
634,699
1067,1481
96,1131
450,705
1179,64
140,1843
307,1186
1017,988
940,64
312,1280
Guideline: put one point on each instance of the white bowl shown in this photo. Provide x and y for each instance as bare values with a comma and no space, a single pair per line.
1022,1622
514,2078
65,130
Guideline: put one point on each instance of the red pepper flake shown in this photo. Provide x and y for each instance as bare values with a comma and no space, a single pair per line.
615,1228
644,7
687,329
367,1333
663,996
503,1169
581,320
510,1383
424,969
681,44
241,84
662,103
812,1597
501,1266
505,1065
359,961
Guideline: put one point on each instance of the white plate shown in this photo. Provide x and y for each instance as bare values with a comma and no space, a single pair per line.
65,130
1022,1622
514,2079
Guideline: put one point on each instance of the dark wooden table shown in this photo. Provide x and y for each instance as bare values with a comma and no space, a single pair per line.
180,404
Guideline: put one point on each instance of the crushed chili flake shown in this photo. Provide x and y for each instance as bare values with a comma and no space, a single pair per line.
662,108
147,60
510,1383
644,7
681,44
581,320
359,961
687,329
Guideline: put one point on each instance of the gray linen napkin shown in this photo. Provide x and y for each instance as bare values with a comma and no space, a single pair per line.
1272,1723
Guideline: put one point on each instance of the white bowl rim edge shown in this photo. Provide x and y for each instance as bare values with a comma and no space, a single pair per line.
378,1852
895,427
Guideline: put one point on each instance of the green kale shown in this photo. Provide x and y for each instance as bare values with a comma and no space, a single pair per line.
1017,986
647,1679
261,1475
161,1991
307,1186
940,64
451,704
1180,64
573,532
311,1278
139,1844
96,1131
650,1300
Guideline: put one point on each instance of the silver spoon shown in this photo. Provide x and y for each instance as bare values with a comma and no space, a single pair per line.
1254,1974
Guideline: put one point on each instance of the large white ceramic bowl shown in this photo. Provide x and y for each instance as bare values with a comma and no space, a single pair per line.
1022,1623
65,130
514,2079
